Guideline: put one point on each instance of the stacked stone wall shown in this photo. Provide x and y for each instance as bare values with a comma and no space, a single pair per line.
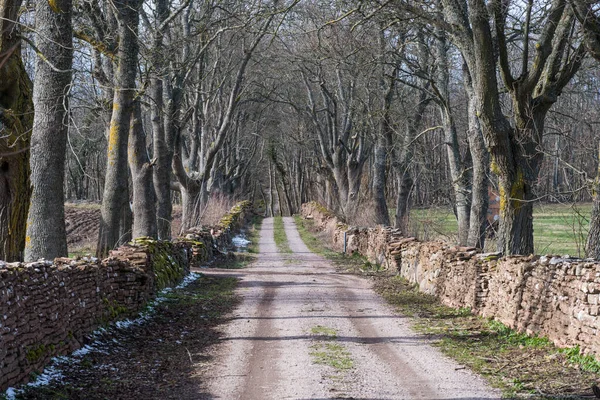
550,296
48,308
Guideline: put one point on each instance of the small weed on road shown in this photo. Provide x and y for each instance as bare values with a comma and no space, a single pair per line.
333,354
326,351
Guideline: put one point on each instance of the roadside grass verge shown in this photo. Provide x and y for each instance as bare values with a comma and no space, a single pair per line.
253,233
156,359
521,366
315,242
281,240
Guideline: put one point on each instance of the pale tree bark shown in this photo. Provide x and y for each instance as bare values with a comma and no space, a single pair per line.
461,182
144,214
116,199
16,119
480,182
46,233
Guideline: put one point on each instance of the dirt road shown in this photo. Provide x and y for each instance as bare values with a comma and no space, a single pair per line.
304,331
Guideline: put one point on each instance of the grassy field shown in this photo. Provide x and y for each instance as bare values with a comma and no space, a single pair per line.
558,228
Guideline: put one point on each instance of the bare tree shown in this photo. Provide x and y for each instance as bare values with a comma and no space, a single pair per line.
215,128
144,211
478,29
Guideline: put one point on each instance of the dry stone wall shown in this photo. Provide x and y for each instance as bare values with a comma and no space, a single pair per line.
47,308
550,296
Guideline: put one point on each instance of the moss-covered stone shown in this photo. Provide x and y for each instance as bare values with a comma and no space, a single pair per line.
169,266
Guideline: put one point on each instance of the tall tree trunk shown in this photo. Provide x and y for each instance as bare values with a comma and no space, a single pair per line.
382,216
46,233
383,144
354,176
515,147
191,205
16,119
458,172
479,154
405,184
144,215
402,161
163,156
271,206
460,179
162,146
116,198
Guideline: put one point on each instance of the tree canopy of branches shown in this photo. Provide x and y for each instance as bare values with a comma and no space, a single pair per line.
371,107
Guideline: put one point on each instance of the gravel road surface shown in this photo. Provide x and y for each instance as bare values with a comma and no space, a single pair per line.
305,331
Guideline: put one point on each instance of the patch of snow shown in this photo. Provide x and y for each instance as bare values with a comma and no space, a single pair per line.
240,241
192,276
10,394
126,323
82,351
49,375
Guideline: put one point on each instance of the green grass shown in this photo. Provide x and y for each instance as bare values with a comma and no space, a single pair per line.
254,234
333,354
326,351
348,262
323,331
279,235
559,229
